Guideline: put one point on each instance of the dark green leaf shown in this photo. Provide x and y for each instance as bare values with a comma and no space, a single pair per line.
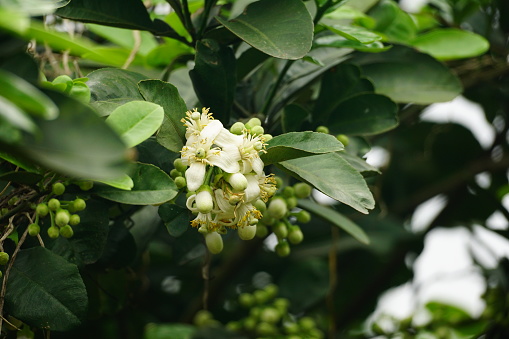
213,77
113,83
299,144
340,42
359,164
355,33
394,23
46,291
175,218
120,249
21,177
151,186
394,73
172,132
282,29
293,117
336,219
364,114
333,176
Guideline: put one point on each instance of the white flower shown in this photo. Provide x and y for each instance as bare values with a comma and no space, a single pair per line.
196,121
252,191
201,150
249,153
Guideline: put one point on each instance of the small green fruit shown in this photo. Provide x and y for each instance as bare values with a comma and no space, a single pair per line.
179,165
4,258
279,182
33,229
254,122
180,182
281,304
42,210
260,205
265,329
261,230
66,231
270,315
303,217
267,137
58,188
283,248
288,192
295,235
175,173
246,300
302,190
271,290
291,202
74,220
202,318
62,218
54,204
343,139
322,129
280,230
307,323
79,204
53,232
257,130
261,297
86,185
277,208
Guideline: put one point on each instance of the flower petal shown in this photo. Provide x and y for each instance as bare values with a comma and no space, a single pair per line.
227,139
227,160
195,175
252,191
257,165
210,132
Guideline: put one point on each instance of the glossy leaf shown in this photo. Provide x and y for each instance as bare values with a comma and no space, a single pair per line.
213,77
136,121
394,73
340,42
78,143
333,176
450,43
336,219
112,83
15,116
175,218
359,164
151,186
299,144
46,291
355,33
364,114
123,182
394,23
282,29
172,132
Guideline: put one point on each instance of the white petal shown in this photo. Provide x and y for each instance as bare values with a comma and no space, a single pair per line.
223,204
195,175
257,164
246,167
227,139
211,131
227,161
252,191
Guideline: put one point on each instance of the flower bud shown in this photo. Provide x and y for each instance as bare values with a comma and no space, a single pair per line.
303,217
237,128
204,201
295,235
302,190
62,218
277,209
179,165
33,229
53,232
254,122
283,248
246,300
266,137
247,232
257,130
79,204
42,209
260,205
343,139
288,191
322,129
238,181
270,315
74,220
291,202
4,258
66,231
280,230
58,188
54,204
86,185
261,231
180,182
214,242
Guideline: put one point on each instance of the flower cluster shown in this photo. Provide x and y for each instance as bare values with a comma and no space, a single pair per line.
224,176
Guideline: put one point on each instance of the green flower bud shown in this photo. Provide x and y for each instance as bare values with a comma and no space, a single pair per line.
343,139
175,173
261,297
322,129
204,201
307,323
283,248
279,182
237,128
74,220
254,122
277,208
58,188
288,192
180,182
291,202
53,232
265,329
86,185
280,230
214,242
257,130
188,194
295,235
34,229
4,258
247,232
62,217
54,204
302,190
202,318
291,328
246,300
303,217
42,210
179,165
66,231
270,315
4,211
271,290
267,137
238,181
250,323
260,205
79,204
281,304
234,326
261,230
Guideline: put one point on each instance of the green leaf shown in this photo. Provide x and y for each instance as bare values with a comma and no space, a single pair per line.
299,144
151,186
136,121
333,176
113,83
15,116
340,42
394,73
46,291
125,38
394,23
26,96
364,114
172,132
21,177
359,164
77,143
163,331
293,117
213,77
355,33
336,219
87,244
124,182
175,218
451,43
282,29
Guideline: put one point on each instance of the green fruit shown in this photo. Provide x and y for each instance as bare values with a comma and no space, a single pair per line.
250,323
42,210
291,328
277,208
66,231
260,205
266,329
4,258
74,220
281,304
271,290
261,230
295,235
343,139
261,297
62,217
246,300
4,211
280,230
34,229
270,315
86,185
234,326
53,232
322,129
202,318
58,188
54,204
307,323
283,248
288,191
291,202
303,217
79,204
279,182
302,190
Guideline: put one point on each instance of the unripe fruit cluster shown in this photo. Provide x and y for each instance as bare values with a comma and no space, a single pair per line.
268,317
341,137
61,213
280,215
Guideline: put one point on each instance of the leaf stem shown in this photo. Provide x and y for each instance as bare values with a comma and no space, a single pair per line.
206,12
188,23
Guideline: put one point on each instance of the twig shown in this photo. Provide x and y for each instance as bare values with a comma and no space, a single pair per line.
134,51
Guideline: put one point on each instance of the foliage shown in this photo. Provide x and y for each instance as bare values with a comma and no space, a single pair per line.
97,177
